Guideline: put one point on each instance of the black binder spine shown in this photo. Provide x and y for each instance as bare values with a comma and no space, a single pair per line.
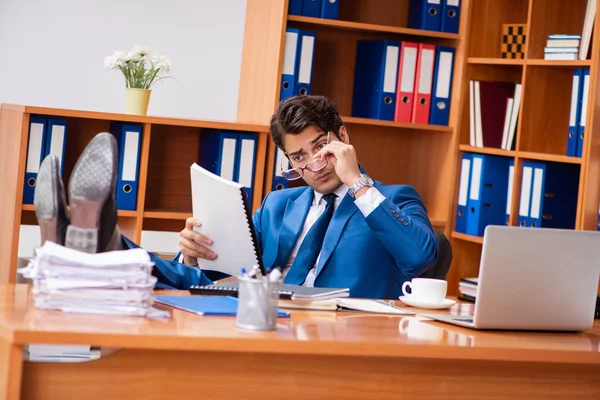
257,248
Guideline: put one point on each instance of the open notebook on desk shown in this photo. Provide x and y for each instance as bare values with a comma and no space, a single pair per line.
363,305
287,292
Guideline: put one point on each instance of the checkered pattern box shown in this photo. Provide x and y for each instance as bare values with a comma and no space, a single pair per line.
513,41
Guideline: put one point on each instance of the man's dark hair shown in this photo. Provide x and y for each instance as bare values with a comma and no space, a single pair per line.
296,113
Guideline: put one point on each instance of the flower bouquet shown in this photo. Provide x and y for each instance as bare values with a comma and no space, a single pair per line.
141,70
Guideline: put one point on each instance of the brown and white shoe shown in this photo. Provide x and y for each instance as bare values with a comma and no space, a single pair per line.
50,202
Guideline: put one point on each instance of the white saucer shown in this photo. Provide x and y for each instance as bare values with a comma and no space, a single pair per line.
447,303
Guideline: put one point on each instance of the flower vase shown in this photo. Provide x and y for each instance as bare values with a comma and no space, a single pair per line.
136,101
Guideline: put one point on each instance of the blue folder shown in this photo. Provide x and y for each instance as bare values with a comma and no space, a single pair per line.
462,212
311,8
291,60
129,139
442,86
305,63
56,140
575,112
487,193
425,14
584,95
231,155
36,148
450,16
375,79
207,305
295,7
553,195
330,9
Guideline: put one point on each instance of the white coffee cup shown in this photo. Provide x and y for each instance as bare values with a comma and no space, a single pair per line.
426,290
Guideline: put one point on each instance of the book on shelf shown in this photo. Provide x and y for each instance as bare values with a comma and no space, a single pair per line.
562,47
494,112
588,25
467,287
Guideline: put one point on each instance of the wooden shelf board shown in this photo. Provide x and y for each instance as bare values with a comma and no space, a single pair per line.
393,124
359,26
495,61
487,150
560,63
468,238
127,213
438,223
536,62
120,213
162,214
142,119
550,157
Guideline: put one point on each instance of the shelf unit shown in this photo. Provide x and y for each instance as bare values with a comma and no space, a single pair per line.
543,119
395,153
169,147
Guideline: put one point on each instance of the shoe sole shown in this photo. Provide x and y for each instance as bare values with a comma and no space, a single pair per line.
45,199
92,181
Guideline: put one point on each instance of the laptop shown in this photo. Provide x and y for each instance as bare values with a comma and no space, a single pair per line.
535,279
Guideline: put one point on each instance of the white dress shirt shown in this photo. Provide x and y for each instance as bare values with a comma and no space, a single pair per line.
366,204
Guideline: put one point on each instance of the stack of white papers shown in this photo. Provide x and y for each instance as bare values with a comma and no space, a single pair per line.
60,353
111,283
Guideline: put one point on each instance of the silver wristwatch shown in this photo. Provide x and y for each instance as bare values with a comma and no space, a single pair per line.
363,181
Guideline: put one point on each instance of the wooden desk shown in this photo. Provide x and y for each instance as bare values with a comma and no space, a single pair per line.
313,354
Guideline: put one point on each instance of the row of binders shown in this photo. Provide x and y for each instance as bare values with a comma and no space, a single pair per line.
231,155
327,9
548,195
403,81
298,60
48,136
228,154
493,113
434,15
578,111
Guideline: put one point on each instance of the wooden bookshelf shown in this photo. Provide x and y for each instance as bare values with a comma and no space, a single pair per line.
544,114
391,152
169,147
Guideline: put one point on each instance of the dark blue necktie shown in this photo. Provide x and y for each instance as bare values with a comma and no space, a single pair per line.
311,245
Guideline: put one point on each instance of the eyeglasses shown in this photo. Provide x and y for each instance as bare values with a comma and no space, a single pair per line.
313,166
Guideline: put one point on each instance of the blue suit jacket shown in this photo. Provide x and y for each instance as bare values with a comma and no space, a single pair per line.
372,256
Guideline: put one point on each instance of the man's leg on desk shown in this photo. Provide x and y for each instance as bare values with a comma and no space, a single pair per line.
91,226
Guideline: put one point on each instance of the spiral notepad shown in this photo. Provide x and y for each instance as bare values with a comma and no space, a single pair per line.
222,208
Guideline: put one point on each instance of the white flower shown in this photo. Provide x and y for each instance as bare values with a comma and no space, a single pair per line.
139,53
116,60
164,64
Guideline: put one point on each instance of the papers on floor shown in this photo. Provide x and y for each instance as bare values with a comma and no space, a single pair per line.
60,353
111,283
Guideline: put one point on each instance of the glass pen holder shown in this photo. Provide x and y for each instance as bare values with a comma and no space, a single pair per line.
257,303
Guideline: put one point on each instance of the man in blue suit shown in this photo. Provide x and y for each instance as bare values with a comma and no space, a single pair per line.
342,230
378,237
